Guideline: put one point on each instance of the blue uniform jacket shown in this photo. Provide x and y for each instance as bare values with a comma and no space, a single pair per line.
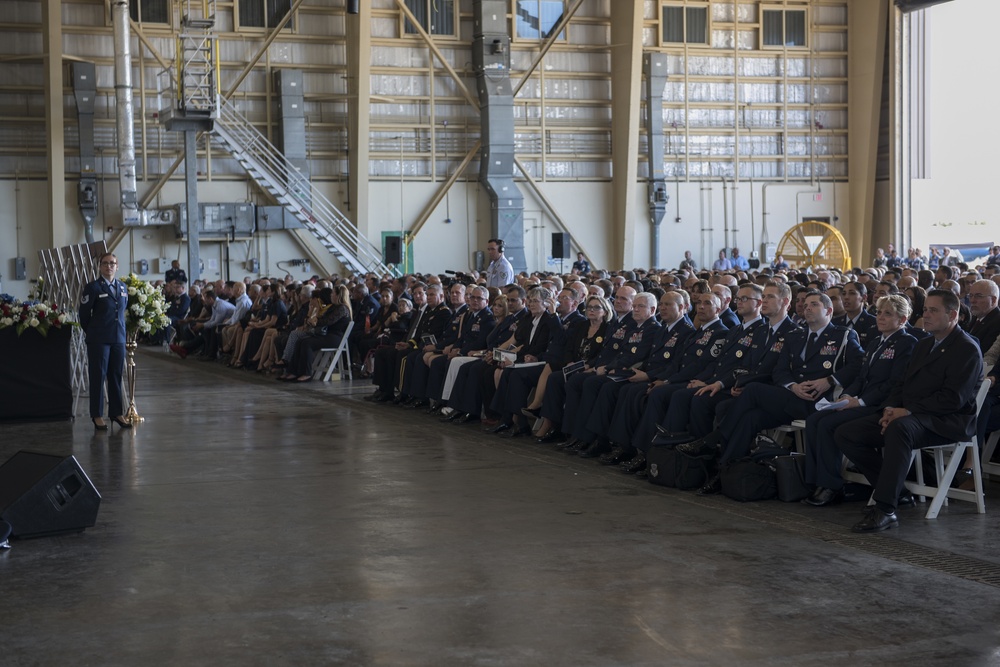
102,311
763,356
866,327
476,331
735,353
700,348
668,345
638,344
834,355
614,342
882,368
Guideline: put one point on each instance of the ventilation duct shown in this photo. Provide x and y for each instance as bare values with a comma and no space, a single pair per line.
654,67
85,91
124,120
491,59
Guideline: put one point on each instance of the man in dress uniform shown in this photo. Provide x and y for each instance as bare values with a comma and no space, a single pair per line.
175,273
933,404
102,317
636,415
854,296
883,366
734,360
675,326
812,364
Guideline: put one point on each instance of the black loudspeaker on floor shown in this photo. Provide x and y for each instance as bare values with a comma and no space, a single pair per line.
42,494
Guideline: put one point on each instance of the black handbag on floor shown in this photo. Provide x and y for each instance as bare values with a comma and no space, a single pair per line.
789,472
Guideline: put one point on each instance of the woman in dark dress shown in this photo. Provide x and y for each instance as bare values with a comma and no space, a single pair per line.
586,340
331,323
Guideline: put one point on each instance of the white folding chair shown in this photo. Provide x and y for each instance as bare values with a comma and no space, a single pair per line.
339,358
796,429
990,468
946,473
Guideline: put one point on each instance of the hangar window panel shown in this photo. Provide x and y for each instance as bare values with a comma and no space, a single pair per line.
264,13
536,19
783,28
149,11
436,17
684,25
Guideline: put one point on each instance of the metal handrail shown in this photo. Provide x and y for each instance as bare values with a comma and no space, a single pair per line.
317,209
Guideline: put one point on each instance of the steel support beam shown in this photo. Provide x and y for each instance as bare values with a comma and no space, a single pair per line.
626,95
55,154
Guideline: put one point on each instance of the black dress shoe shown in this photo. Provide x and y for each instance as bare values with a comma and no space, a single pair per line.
453,416
616,455
465,418
499,428
99,427
662,430
822,497
637,463
699,449
551,437
673,439
570,444
712,486
516,432
596,449
120,422
382,397
906,499
577,446
418,403
876,521
401,399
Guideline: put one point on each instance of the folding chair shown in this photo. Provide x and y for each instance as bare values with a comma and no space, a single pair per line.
796,429
990,468
946,473
340,358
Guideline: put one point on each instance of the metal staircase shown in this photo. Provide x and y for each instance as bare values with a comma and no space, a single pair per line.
291,189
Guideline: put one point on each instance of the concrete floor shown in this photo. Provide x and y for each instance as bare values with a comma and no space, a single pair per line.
250,522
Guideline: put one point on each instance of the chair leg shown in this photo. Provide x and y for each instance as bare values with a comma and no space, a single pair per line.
944,482
977,477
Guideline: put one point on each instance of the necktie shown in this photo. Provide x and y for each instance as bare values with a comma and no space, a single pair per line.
770,337
416,323
809,345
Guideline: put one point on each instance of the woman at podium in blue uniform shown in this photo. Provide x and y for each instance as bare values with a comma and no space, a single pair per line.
102,316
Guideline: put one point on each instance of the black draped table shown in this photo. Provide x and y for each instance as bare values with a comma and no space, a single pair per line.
35,380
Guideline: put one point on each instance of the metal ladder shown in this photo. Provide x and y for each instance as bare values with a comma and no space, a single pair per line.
291,189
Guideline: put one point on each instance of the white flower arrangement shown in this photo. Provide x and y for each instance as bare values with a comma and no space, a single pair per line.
146,307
